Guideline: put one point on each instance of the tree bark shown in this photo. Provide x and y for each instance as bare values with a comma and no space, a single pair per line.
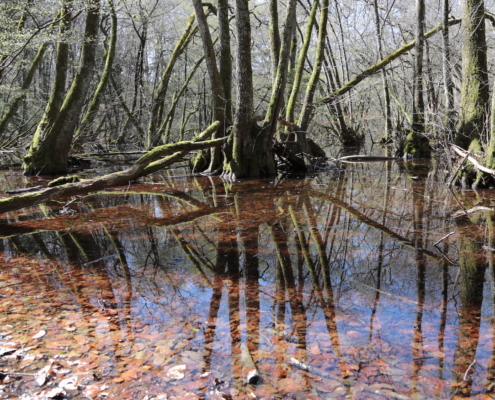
289,114
447,75
216,85
474,93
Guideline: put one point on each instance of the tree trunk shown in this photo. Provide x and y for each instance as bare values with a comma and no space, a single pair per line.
308,107
278,91
248,151
107,70
386,94
474,92
447,75
225,56
216,85
417,144
158,105
274,37
291,104
49,149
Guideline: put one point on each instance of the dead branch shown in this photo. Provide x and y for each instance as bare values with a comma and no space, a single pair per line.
471,159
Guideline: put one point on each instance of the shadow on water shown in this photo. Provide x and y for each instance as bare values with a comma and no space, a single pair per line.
371,281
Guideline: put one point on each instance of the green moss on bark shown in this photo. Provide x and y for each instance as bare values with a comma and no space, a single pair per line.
417,146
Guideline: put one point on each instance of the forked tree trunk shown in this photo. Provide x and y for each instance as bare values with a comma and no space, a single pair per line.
49,149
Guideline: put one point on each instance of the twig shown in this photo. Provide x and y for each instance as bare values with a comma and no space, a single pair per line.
449,183
29,189
99,259
467,371
442,239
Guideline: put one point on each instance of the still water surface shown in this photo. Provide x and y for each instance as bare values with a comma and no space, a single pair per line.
373,281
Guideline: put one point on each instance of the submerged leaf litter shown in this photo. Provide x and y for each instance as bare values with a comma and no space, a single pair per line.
375,283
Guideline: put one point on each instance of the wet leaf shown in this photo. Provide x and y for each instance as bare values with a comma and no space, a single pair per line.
69,383
40,334
42,375
176,372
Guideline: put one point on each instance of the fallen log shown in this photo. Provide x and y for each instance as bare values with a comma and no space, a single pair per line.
147,164
471,159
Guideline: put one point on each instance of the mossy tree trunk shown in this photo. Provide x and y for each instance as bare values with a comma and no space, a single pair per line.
248,151
417,145
278,91
274,37
307,108
49,149
474,93
158,105
291,104
225,56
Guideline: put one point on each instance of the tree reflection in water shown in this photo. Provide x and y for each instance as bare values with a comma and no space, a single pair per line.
332,285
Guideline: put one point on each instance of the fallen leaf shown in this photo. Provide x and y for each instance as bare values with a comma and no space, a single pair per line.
176,372
69,383
129,375
42,374
92,391
40,334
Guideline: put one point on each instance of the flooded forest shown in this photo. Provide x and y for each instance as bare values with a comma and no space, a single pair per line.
247,199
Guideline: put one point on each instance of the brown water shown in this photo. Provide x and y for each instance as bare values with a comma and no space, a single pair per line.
331,286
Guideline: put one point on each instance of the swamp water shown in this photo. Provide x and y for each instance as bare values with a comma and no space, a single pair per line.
367,282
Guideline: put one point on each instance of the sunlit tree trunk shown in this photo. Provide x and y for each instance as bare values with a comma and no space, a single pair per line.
474,93
225,56
291,104
216,86
248,151
49,149
278,91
